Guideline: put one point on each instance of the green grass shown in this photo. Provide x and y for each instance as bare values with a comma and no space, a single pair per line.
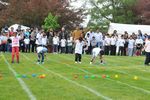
60,82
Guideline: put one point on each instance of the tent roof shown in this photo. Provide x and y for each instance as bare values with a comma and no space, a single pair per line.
15,26
130,28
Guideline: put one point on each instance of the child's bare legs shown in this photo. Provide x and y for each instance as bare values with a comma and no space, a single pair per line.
13,54
101,59
92,60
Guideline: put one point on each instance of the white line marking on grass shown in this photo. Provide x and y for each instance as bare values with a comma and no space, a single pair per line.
137,88
22,83
73,82
141,89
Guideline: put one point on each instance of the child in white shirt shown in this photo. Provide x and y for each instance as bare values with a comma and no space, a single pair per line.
121,43
78,50
55,43
131,43
63,45
27,42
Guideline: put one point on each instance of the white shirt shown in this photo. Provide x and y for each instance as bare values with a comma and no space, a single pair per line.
91,34
95,52
69,42
15,41
147,46
41,49
56,40
4,38
63,42
138,41
0,40
107,41
26,41
39,39
98,37
79,47
112,41
88,41
131,43
121,42
44,40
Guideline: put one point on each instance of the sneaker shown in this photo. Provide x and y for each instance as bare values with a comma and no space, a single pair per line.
42,62
76,62
38,63
90,63
102,63
79,62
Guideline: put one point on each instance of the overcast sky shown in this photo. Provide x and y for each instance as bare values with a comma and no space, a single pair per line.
80,3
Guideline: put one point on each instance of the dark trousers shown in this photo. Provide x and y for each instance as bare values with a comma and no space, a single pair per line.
32,45
63,49
107,50
4,47
39,57
147,60
89,51
27,48
69,49
55,48
50,48
121,49
112,50
78,57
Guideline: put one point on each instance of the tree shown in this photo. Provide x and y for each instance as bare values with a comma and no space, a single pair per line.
33,12
142,11
117,11
51,22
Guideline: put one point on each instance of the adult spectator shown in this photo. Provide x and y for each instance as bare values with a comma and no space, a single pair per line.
50,40
77,33
32,40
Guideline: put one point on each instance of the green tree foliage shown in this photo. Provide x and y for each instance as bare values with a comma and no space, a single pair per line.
105,11
50,22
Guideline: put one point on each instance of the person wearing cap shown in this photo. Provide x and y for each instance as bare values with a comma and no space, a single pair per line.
147,50
95,52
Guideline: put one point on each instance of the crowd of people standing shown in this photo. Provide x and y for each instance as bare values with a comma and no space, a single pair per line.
63,41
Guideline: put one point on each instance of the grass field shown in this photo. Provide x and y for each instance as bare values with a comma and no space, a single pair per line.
66,80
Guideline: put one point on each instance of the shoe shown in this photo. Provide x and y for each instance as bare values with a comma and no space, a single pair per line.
147,65
76,62
90,63
42,62
38,63
79,62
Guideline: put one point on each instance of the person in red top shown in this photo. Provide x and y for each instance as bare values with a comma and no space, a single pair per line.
15,47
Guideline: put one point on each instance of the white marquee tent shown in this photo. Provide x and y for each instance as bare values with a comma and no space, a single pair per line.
130,28
15,26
